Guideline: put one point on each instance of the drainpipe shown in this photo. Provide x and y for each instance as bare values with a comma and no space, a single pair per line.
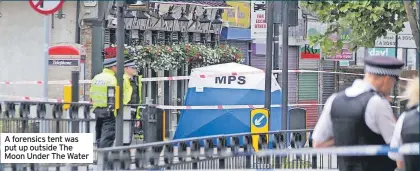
77,35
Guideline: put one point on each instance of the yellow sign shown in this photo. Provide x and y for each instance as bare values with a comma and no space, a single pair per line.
259,124
67,97
239,16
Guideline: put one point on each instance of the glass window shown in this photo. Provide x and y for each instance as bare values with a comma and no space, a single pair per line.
411,59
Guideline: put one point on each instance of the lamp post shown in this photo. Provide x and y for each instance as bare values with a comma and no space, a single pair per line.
217,26
204,26
169,22
183,25
142,21
128,19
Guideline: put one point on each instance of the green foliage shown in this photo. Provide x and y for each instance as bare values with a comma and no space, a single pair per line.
367,20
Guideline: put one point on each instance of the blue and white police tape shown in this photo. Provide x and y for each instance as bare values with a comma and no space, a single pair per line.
364,150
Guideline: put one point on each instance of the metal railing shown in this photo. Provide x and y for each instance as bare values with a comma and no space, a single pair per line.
50,117
232,151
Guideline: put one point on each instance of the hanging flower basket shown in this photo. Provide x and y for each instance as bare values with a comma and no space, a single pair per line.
163,57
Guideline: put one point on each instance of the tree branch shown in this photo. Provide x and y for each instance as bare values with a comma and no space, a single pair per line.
411,15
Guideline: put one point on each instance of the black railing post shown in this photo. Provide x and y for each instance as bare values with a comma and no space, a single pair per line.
75,75
314,157
75,98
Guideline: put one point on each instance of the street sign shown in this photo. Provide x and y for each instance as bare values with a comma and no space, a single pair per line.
259,124
46,7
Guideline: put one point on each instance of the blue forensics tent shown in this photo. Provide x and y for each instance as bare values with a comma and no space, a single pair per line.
238,89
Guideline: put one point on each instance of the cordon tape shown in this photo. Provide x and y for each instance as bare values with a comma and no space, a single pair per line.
65,82
37,99
363,150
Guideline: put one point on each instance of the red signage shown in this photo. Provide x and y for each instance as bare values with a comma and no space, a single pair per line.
46,7
309,52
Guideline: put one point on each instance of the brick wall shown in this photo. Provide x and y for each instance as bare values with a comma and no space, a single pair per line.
86,41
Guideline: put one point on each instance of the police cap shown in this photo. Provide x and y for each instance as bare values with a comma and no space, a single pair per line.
130,63
110,62
383,65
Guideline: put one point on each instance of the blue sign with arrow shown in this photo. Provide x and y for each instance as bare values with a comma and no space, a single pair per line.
259,120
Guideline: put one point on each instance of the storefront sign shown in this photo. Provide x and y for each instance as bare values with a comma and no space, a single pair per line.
63,62
310,52
239,16
258,24
404,41
381,52
345,54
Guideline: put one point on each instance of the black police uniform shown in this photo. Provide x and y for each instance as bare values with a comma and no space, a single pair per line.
410,134
348,120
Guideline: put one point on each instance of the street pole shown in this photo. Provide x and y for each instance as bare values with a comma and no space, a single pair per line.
285,68
43,127
396,111
120,71
276,57
418,49
269,54
47,31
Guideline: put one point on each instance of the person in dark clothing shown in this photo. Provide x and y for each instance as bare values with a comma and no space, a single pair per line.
361,115
407,129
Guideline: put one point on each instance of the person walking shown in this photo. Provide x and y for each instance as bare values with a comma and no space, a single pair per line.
361,115
132,93
104,112
407,129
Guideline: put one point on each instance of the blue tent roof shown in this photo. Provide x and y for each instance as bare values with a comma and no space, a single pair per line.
195,123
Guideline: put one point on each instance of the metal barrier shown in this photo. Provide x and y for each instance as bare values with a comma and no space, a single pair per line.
214,152
49,117
232,151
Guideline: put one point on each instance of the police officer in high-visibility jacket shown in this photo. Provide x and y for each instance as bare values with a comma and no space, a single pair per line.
105,114
132,89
